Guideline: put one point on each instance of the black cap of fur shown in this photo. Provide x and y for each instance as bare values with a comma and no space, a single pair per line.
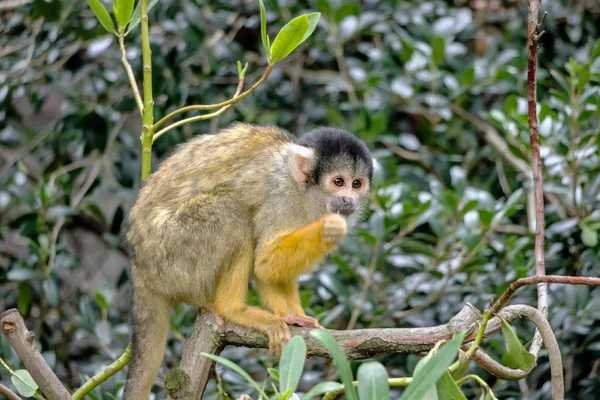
329,143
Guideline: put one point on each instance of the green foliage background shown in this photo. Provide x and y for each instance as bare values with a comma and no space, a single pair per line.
448,222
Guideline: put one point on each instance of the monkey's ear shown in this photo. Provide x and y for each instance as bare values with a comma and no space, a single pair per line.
301,161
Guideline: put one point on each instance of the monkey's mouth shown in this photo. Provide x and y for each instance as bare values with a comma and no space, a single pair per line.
345,211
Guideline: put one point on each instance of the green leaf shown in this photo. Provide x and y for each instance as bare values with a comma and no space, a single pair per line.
102,14
340,361
463,365
589,237
437,48
325,7
516,356
24,298
373,381
426,377
101,300
273,373
447,389
136,18
321,388
24,383
560,79
510,202
237,369
291,364
242,71
263,30
313,20
292,35
124,10
346,10
595,51
286,395
468,76
50,290
583,77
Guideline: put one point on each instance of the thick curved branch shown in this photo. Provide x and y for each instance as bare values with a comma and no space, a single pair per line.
531,280
9,394
549,340
22,341
357,344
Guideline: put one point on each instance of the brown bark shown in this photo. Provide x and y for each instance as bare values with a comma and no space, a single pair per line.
23,343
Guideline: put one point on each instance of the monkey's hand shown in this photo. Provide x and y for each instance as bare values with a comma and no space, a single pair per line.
334,227
279,334
303,321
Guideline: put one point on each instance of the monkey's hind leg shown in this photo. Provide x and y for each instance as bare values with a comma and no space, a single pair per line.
284,300
230,302
150,325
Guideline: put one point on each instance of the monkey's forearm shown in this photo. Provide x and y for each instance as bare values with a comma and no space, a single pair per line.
288,256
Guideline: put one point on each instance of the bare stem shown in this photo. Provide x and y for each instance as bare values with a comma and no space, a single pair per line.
532,37
23,342
368,282
567,280
148,110
199,117
9,394
103,375
132,81
208,107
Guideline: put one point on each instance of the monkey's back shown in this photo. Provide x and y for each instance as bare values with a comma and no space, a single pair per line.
195,211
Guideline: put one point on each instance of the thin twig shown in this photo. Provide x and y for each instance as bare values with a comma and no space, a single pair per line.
82,162
78,196
9,394
208,107
103,375
368,282
338,51
545,279
11,4
540,268
26,149
200,117
37,26
494,139
132,81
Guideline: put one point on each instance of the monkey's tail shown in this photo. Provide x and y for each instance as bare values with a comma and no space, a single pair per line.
150,326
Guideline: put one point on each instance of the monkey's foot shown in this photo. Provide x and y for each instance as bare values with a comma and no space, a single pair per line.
307,322
279,334
220,324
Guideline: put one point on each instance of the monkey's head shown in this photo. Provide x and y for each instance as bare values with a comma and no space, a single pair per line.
335,168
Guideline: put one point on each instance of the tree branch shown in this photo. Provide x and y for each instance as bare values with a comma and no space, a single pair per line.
357,344
208,107
130,75
540,267
549,340
531,280
9,394
23,343
200,117
103,375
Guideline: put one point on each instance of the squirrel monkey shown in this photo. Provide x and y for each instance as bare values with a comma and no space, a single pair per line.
248,201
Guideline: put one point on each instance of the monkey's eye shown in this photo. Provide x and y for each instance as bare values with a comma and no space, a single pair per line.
356,184
338,182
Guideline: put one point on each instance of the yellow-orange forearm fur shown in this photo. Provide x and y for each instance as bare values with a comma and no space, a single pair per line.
289,255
